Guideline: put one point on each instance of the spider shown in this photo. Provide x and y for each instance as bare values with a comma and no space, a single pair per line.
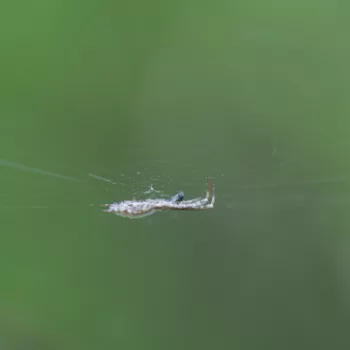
140,208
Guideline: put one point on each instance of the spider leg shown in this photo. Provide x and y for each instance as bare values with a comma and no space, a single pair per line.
210,205
213,196
189,201
203,201
208,190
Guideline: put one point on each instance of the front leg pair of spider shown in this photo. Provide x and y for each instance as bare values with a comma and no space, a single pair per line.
196,203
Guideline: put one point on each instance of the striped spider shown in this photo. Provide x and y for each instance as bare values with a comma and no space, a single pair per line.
140,208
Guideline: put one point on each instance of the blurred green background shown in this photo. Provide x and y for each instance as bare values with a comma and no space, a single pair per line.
99,100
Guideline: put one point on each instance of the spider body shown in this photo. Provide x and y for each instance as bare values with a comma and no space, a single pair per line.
140,208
